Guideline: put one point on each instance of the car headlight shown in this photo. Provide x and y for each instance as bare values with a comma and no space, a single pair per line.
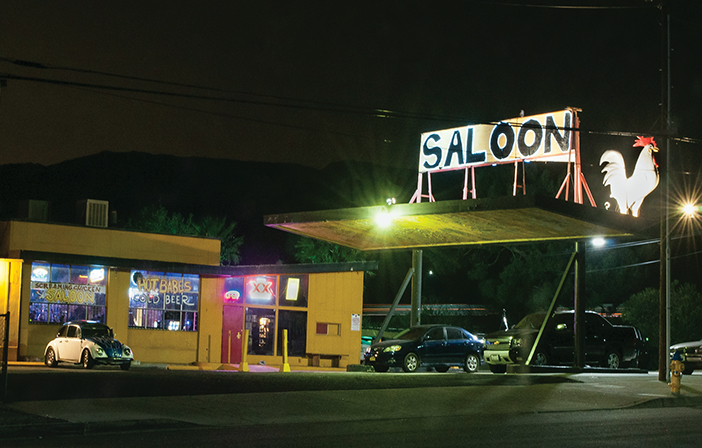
127,351
393,348
99,351
517,342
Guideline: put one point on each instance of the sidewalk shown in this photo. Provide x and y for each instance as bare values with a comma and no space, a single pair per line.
491,395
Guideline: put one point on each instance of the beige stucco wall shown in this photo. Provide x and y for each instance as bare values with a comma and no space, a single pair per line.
64,239
10,287
333,299
148,345
210,320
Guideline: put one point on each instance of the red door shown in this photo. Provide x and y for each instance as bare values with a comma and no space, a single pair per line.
232,332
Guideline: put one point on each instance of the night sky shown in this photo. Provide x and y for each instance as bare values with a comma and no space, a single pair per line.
312,82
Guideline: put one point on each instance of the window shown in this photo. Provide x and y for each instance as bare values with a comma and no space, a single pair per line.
233,289
435,334
296,324
60,293
328,329
163,301
261,289
293,290
454,333
261,325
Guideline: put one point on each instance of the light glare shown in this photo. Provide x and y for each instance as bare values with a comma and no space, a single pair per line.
689,210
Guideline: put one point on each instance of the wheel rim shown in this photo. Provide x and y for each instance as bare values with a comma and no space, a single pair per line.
411,363
86,359
50,357
539,359
472,363
613,361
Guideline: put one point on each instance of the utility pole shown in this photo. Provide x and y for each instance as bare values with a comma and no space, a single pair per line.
664,285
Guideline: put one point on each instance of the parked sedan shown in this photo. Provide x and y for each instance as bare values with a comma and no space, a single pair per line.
87,343
437,346
690,355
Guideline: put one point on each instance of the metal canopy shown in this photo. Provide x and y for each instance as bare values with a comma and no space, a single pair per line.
460,222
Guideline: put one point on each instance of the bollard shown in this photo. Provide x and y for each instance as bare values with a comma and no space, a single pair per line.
244,365
676,369
286,365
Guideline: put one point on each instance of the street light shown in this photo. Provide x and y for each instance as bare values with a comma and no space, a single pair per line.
598,242
690,210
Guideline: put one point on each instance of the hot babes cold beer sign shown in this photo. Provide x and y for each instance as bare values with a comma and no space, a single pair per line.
544,138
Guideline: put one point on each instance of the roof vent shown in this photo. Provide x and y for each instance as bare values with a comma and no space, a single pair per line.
93,213
34,210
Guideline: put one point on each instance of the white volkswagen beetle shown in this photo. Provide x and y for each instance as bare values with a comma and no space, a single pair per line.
88,343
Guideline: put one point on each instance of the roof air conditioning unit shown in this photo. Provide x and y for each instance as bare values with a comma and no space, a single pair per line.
93,213
34,210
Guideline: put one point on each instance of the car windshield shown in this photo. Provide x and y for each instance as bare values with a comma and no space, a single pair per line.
532,321
411,334
95,331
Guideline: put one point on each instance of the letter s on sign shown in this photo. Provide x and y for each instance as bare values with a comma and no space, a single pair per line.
430,151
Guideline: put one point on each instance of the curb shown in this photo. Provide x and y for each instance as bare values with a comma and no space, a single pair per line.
679,401
41,430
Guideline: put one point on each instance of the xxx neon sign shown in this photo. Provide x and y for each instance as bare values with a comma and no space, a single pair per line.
261,288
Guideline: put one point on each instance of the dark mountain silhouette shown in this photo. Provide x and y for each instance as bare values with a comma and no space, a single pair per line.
242,191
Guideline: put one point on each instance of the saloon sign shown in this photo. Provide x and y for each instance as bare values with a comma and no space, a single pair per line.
545,138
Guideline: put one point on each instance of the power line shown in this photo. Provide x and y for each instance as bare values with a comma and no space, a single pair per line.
218,114
561,6
268,100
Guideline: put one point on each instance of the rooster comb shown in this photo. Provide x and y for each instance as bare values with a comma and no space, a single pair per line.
644,141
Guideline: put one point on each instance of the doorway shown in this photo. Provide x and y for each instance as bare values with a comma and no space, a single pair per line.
232,332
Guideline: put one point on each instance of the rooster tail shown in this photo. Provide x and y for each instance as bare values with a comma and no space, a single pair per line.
615,177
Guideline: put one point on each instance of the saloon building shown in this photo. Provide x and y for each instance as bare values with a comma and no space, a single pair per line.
167,297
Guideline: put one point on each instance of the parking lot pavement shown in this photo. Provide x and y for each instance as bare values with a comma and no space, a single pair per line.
491,394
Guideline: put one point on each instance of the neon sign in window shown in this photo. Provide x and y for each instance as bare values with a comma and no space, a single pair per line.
292,289
261,289
164,301
233,289
60,293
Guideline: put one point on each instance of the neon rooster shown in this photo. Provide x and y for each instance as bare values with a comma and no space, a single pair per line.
630,192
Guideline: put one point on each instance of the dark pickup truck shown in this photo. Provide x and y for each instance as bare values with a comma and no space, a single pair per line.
606,345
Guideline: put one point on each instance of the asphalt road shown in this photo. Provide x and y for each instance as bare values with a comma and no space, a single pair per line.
72,382
165,408
677,427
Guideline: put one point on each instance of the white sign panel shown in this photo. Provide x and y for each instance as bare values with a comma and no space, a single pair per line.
355,322
545,138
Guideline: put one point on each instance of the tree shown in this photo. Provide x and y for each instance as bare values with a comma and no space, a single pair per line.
157,219
308,250
218,228
641,311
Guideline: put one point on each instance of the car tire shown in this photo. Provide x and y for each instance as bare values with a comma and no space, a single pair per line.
411,363
50,358
472,363
613,360
540,358
125,366
687,370
86,359
498,368
442,369
381,369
